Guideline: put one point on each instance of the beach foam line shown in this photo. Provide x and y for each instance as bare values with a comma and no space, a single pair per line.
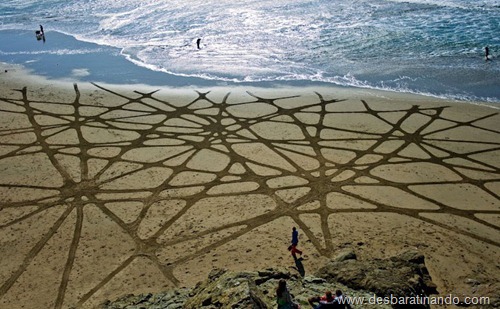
113,65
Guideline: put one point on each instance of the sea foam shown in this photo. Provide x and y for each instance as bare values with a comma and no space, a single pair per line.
372,42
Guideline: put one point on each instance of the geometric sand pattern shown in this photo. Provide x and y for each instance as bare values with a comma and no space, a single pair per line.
143,186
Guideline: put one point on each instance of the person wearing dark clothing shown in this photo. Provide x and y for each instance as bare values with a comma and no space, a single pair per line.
283,297
198,43
40,35
295,236
295,241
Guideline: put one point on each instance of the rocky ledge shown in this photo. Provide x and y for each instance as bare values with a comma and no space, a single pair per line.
404,275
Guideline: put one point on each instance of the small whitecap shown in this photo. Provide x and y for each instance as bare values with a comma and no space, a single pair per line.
80,72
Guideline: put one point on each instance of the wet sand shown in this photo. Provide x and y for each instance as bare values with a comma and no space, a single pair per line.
107,190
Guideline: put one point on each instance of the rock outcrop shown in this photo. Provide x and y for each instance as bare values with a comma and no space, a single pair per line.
225,289
238,290
402,275
170,299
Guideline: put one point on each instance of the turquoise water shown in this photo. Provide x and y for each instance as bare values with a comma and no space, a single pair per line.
434,47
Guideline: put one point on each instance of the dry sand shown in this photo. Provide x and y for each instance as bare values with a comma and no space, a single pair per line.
107,190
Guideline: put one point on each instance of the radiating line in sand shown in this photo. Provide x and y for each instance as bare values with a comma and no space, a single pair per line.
104,197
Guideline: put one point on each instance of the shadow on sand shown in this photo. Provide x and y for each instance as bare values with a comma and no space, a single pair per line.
299,266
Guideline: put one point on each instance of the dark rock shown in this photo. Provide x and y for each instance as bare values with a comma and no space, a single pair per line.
345,255
314,280
170,299
404,275
236,290
216,273
269,274
411,256
207,302
226,289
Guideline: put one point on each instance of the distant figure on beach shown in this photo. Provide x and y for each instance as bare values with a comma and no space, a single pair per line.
283,297
295,241
198,43
486,53
40,35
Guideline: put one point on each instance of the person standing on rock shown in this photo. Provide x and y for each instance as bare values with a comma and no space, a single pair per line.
295,241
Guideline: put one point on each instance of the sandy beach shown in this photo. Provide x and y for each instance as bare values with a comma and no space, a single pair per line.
108,190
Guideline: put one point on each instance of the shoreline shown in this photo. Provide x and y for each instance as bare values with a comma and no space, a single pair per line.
20,73
110,189
66,57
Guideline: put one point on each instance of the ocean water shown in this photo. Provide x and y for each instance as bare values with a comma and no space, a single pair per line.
434,47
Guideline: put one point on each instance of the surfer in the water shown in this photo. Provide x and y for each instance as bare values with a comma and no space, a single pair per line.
198,43
486,53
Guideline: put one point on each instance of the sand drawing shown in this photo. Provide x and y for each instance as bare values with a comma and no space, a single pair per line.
143,192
